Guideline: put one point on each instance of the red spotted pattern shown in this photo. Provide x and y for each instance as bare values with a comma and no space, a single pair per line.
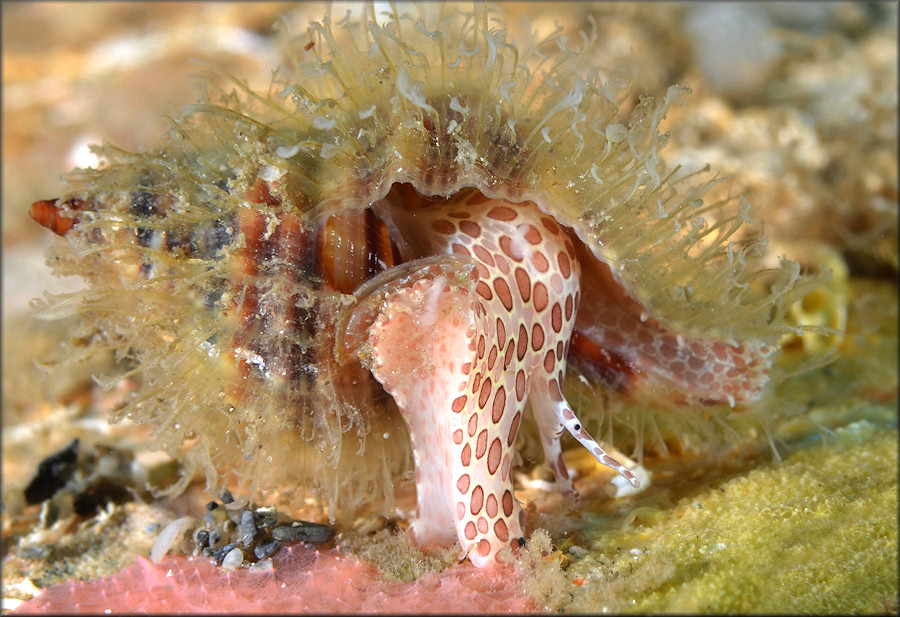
511,321
520,262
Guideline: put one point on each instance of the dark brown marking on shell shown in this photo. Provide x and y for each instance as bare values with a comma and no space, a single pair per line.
523,282
507,503
499,404
555,393
510,353
481,444
522,343
556,317
549,362
494,454
483,255
539,261
470,531
463,483
564,266
550,224
473,424
537,337
501,331
501,530
485,393
533,235
491,507
616,372
502,213
540,296
470,228
459,403
503,292
443,227
483,290
459,249
513,428
520,385
482,525
477,499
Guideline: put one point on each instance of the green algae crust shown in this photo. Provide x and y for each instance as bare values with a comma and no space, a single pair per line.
817,533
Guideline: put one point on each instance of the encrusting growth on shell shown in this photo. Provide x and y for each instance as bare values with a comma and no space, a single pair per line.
222,265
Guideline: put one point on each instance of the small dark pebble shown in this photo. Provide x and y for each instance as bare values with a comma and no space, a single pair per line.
301,531
96,496
226,497
266,548
248,527
203,538
212,505
219,553
53,473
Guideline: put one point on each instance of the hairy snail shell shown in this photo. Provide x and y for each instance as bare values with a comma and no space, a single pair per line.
252,270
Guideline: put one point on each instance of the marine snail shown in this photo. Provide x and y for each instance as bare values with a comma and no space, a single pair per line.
425,219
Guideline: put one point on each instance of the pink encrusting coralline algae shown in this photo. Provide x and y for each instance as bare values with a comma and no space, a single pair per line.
303,580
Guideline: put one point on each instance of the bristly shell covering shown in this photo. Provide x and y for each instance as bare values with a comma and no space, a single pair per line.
442,100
